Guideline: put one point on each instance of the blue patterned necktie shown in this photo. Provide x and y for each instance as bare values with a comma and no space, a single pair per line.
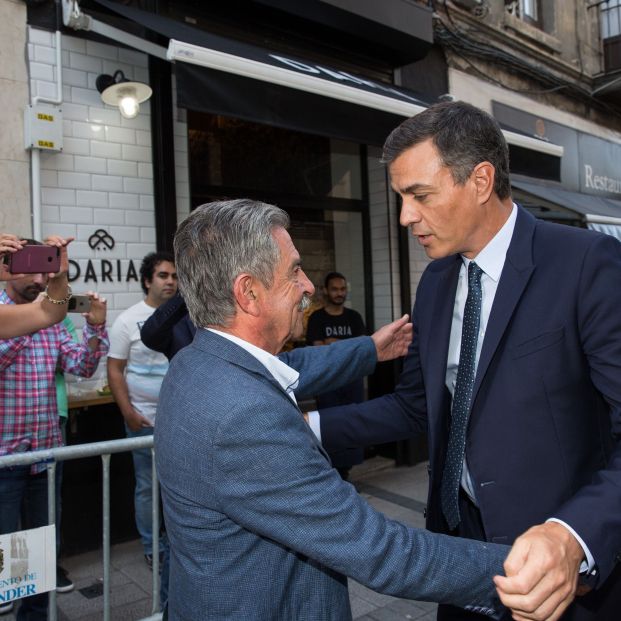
462,398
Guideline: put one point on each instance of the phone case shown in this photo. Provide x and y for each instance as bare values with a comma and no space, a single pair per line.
35,260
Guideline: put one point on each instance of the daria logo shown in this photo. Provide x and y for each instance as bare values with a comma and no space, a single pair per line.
101,239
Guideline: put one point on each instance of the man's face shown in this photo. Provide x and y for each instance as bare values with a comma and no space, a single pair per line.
282,302
444,217
163,285
27,289
336,291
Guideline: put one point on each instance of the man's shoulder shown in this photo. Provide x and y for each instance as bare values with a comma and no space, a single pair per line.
140,310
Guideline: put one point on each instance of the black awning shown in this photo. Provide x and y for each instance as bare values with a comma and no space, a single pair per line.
590,208
223,76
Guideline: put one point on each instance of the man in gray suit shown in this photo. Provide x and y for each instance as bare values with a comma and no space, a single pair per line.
260,525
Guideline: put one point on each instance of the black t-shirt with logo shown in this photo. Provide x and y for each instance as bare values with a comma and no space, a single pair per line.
322,326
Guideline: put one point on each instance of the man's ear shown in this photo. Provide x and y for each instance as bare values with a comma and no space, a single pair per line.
244,295
484,175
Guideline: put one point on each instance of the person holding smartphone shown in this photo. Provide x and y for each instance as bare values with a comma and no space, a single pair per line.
45,311
28,405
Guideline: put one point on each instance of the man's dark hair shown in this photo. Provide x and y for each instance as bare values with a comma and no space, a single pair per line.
464,137
332,276
149,263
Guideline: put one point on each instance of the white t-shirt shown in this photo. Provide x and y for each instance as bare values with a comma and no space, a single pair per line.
145,368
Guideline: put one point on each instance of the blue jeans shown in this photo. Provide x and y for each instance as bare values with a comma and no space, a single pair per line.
23,505
143,506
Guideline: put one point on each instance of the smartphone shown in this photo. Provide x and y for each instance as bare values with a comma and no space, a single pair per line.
79,304
34,260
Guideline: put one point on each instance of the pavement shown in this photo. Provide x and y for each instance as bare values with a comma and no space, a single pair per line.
400,493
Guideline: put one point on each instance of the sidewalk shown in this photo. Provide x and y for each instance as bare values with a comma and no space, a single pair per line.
400,493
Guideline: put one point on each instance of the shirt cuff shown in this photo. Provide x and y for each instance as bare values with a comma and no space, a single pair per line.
98,329
314,424
587,566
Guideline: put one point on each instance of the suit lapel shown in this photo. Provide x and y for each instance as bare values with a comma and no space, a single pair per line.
218,346
439,333
515,275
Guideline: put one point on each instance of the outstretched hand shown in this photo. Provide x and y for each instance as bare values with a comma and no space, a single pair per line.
9,244
542,573
392,340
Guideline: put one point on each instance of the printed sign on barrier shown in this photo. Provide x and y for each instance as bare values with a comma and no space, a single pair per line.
27,563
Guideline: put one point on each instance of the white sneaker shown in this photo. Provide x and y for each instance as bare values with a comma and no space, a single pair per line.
6,608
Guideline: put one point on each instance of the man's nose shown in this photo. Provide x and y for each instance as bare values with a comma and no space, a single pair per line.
39,279
309,288
409,213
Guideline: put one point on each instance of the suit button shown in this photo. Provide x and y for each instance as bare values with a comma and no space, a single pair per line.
618,557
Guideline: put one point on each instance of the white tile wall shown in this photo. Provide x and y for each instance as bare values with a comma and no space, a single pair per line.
103,178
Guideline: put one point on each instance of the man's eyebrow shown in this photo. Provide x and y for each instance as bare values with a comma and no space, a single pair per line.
412,189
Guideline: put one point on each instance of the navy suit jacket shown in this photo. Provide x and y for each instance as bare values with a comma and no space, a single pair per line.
261,526
543,431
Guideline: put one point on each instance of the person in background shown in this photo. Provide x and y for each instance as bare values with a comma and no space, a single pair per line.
335,322
28,406
135,374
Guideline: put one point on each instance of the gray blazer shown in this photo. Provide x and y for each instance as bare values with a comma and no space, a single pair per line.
260,525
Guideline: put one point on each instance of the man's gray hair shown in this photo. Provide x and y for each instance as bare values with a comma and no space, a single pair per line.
217,242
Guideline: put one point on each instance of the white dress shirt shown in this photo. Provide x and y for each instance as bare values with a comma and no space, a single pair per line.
287,377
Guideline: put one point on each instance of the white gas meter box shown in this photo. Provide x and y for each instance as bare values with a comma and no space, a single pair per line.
43,128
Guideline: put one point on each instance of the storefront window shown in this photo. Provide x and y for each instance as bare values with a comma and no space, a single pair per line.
316,179
233,153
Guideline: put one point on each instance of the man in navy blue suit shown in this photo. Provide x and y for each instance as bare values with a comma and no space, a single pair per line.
522,407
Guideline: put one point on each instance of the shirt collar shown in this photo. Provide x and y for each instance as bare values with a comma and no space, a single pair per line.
492,258
286,377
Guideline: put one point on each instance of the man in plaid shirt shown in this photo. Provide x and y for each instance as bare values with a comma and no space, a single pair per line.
28,410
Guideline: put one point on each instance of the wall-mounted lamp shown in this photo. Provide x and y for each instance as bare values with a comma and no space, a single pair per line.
117,90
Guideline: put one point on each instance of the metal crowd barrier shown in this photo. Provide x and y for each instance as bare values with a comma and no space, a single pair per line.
105,449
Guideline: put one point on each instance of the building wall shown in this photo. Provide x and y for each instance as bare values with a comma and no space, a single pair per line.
14,96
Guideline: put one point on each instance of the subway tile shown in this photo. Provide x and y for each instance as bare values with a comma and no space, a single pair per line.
100,148
58,196
78,181
108,216
40,37
123,168
107,183
90,164
91,198
94,48
76,215
85,62
105,116
120,134
123,200
136,217
136,153
137,186
76,146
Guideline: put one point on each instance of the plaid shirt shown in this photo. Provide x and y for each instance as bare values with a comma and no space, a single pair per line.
28,409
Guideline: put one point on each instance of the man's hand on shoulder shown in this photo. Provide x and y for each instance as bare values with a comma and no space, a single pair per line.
392,340
542,573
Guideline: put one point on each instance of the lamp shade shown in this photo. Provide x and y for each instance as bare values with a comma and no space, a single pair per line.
116,90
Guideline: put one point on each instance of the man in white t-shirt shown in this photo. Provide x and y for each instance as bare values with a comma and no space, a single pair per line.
135,374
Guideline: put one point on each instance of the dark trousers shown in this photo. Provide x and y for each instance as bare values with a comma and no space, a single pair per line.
23,505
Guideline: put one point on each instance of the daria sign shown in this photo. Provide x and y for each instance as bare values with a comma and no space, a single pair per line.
27,563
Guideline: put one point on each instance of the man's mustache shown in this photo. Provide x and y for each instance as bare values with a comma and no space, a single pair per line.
305,303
